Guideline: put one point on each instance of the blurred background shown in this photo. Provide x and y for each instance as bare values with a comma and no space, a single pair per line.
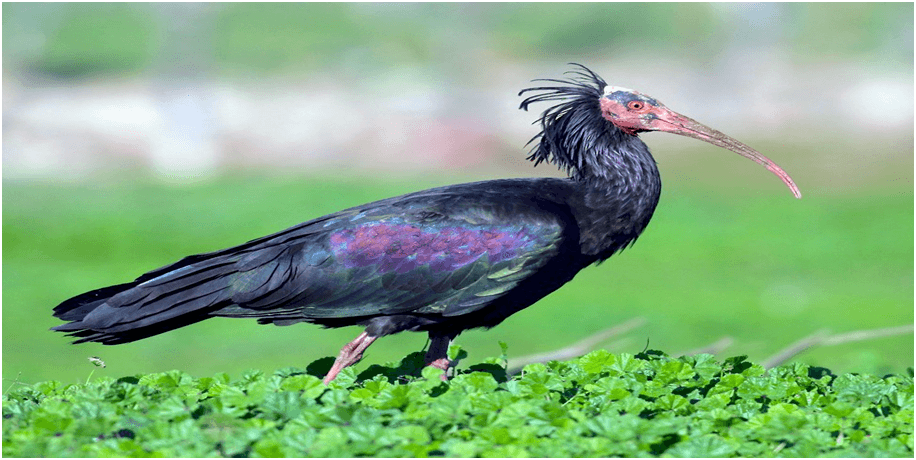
136,134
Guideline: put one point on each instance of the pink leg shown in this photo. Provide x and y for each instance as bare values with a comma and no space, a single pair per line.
437,355
350,354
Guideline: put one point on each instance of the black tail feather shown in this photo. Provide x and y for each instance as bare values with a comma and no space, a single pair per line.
88,335
148,306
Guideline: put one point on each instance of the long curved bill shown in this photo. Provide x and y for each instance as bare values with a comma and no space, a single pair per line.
689,127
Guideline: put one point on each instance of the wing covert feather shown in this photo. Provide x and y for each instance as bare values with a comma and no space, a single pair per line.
422,262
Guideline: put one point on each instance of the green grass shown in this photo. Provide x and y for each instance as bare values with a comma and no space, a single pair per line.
753,265
599,405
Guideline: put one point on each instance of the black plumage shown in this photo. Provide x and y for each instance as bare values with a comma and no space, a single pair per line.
441,260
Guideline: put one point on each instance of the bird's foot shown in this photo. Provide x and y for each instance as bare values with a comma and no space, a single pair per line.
442,363
437,354
349,355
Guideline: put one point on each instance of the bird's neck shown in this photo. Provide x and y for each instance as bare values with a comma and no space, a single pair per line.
620,187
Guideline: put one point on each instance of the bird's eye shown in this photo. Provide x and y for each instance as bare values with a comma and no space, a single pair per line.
635,105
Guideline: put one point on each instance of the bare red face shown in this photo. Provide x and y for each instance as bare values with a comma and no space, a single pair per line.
634,112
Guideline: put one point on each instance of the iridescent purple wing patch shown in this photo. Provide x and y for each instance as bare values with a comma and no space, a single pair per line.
401,247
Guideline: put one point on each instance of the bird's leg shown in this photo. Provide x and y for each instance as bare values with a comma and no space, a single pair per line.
350,354
437,355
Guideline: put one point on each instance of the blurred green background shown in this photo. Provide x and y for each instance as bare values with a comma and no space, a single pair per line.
135,134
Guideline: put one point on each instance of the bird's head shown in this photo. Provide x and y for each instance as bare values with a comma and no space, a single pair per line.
629,111
633,112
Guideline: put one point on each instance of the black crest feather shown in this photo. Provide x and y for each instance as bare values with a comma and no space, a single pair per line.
571,129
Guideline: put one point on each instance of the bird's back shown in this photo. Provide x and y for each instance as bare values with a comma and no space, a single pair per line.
417,261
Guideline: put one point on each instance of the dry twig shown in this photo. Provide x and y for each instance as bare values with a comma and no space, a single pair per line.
577,349
822,338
